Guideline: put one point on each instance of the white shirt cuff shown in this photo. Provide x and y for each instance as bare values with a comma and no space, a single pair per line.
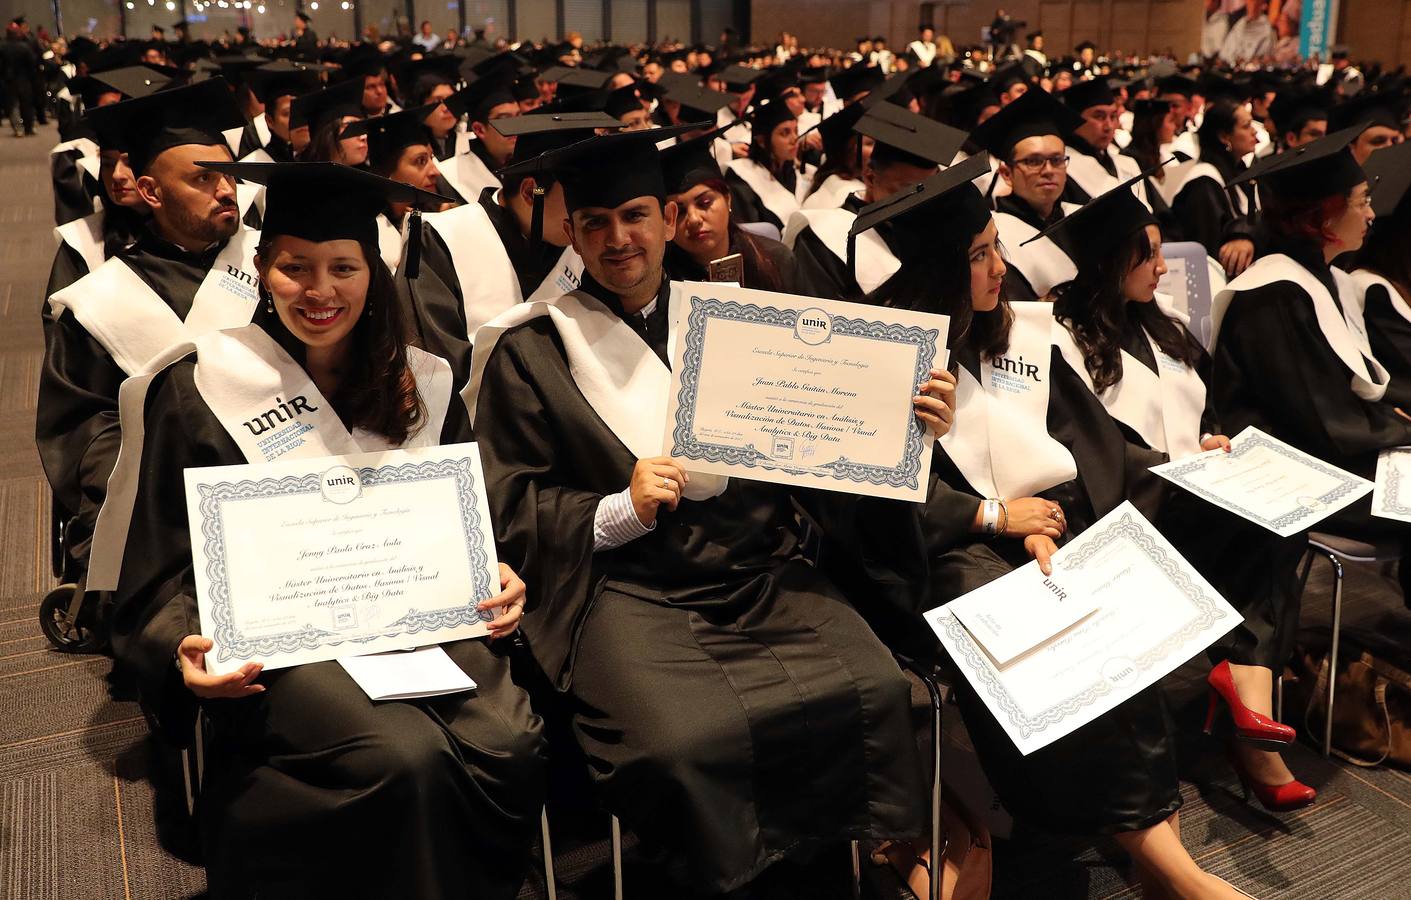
615,522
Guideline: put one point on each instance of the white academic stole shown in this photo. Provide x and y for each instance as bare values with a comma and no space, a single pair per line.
622,379
268,405
1163,407
85,236
1042,263
134,324
1000,440
874,259
779,200
1239,200
833,192
1364,279
1344,331
468,175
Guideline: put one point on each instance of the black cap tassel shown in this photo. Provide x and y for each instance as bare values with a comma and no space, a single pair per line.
536,219
413,265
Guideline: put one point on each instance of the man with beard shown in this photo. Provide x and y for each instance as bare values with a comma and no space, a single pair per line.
677,612
191,270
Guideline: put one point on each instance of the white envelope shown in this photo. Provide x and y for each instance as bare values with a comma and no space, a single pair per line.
1014,614
402,675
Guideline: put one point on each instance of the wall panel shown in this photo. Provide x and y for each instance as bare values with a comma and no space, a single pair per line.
629,21
536,20
584,17
674,20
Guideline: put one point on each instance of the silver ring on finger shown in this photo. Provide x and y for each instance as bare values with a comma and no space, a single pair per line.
666,483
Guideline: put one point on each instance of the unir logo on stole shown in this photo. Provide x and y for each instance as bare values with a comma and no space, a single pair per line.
279,414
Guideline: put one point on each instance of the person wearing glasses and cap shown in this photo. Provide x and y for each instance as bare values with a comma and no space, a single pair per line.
190,270
1028,462
444,792
691,744
1027,138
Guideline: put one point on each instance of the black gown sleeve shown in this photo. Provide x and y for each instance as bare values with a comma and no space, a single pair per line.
68,266
1203,210
1017,287
1390,337
73,189
154,607
1275,370
542,526
76,423
434,306
820,273
745,205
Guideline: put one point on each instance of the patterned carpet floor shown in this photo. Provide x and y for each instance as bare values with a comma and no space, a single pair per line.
80,818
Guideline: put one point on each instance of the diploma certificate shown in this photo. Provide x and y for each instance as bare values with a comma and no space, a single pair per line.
1391,498
314,559
1267,482
800,391
1153,612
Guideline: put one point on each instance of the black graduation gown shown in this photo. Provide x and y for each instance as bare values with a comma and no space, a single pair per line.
531,265
1072,191
1274,370
820,272
1250,566
746,205
435,310
1117,773
1390,336
1016,285
440,796
74,189
779,273
121,228
732,704
1207,213
76,425
278,148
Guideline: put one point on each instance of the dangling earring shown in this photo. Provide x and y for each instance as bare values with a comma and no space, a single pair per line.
367,310
269,304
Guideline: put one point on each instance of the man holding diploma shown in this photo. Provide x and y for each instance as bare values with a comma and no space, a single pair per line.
676,610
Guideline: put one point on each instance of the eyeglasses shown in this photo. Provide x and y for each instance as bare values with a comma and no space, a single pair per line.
1035,164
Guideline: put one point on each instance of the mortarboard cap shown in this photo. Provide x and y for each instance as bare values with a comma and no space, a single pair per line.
283,78
688,163
1321,168
324,201
738,78
1035,113
855,80
769,114
129,81
837,128
145,126
481,95
579,81
608,170
622,101
1176,84
697,103
1389,172
388,136
1369,108
903,136
1295,106
236,67
1086,94
328,105
1099,226
947,201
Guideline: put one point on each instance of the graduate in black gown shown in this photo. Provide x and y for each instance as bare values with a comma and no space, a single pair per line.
325,114
733,706
1211,209
108,324
1117,774
770,183
1383,269
1291,356
313,789
706,231
276,85
1151,375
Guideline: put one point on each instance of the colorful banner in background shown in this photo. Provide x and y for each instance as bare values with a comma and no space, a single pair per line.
1318,28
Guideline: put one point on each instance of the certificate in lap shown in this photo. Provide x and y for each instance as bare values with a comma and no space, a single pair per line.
314,559
1154,612
798,390
1391,498
1268,482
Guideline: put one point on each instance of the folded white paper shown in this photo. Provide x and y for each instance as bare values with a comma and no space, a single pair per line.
1154,612
1268,482
1391,498
402,675
1012,615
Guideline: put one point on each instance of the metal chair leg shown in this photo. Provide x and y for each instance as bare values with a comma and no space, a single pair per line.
548,848
856,870
1333,653
1278,698
939,840
616,859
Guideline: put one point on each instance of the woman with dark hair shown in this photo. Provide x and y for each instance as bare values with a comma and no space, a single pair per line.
1154,127
1033,459
326,113
1151,374
770,183
310,773
1383,272
845,156
706,231
1209,207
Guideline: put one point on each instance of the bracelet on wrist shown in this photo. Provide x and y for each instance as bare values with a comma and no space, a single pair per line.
989,516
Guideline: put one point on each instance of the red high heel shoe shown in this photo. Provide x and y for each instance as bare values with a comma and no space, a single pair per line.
1250,726
1273,797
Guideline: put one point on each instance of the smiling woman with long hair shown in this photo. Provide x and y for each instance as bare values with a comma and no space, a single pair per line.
312,773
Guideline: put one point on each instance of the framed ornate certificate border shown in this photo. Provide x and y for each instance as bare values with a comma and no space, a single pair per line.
347,517
1388,501
817,431
1155,612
